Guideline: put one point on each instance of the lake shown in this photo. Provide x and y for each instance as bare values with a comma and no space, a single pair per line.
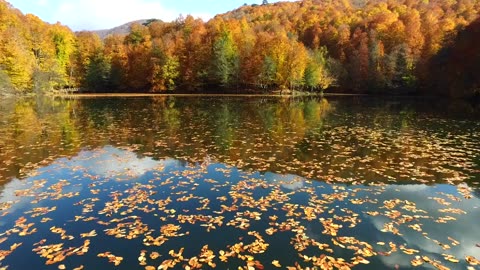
239,183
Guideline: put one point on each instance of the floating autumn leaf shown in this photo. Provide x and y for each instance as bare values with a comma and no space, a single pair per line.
271,231
417,261
92,233
472,260
361,260
154,255
15,246
409,251
276,263
116,260
450,258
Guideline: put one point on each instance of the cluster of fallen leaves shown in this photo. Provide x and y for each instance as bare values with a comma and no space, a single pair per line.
343,153
116,260
56,253
187,198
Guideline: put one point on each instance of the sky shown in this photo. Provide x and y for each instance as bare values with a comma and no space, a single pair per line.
105,14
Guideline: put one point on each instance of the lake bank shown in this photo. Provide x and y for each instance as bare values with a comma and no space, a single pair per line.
255,93
92,95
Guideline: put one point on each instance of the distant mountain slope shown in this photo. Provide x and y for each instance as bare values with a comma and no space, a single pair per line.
122,29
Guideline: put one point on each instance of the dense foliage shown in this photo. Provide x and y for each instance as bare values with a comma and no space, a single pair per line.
455,70
353,45
34,55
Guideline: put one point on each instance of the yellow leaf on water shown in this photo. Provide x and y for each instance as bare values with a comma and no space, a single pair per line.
454,260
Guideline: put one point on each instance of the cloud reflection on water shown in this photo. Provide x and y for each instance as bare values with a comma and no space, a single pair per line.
288,181
111,162
121,164
463,230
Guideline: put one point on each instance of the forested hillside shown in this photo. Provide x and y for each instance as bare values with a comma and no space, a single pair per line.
351,45
455,70
34,55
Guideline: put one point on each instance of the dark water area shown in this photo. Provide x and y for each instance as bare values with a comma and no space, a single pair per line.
249,182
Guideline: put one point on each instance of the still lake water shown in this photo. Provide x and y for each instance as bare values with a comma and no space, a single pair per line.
229,182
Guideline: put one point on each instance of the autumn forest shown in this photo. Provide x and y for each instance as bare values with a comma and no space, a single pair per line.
352,46
298,135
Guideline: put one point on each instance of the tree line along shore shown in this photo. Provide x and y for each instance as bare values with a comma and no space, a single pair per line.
351,46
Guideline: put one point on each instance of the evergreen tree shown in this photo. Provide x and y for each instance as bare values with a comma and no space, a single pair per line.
403,73
98,72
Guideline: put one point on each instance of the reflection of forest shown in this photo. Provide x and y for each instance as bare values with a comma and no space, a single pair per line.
39,130
340,139
34,132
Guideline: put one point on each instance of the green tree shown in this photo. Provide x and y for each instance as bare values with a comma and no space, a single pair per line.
139,65
46,80
64,43
267,73
403,74
171,71
6,86
98,72
317,74
88,44
115,50
166,72
376,68
225,60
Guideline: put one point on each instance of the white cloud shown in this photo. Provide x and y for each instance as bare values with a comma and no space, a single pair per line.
105,14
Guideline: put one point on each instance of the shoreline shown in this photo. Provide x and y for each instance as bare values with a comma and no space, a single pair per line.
252,95
94,95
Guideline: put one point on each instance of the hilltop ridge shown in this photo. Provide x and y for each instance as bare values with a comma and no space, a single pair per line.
123,29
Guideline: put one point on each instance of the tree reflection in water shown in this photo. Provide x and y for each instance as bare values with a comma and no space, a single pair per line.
358,178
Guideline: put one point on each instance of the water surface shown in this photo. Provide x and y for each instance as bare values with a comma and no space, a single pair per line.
147,183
